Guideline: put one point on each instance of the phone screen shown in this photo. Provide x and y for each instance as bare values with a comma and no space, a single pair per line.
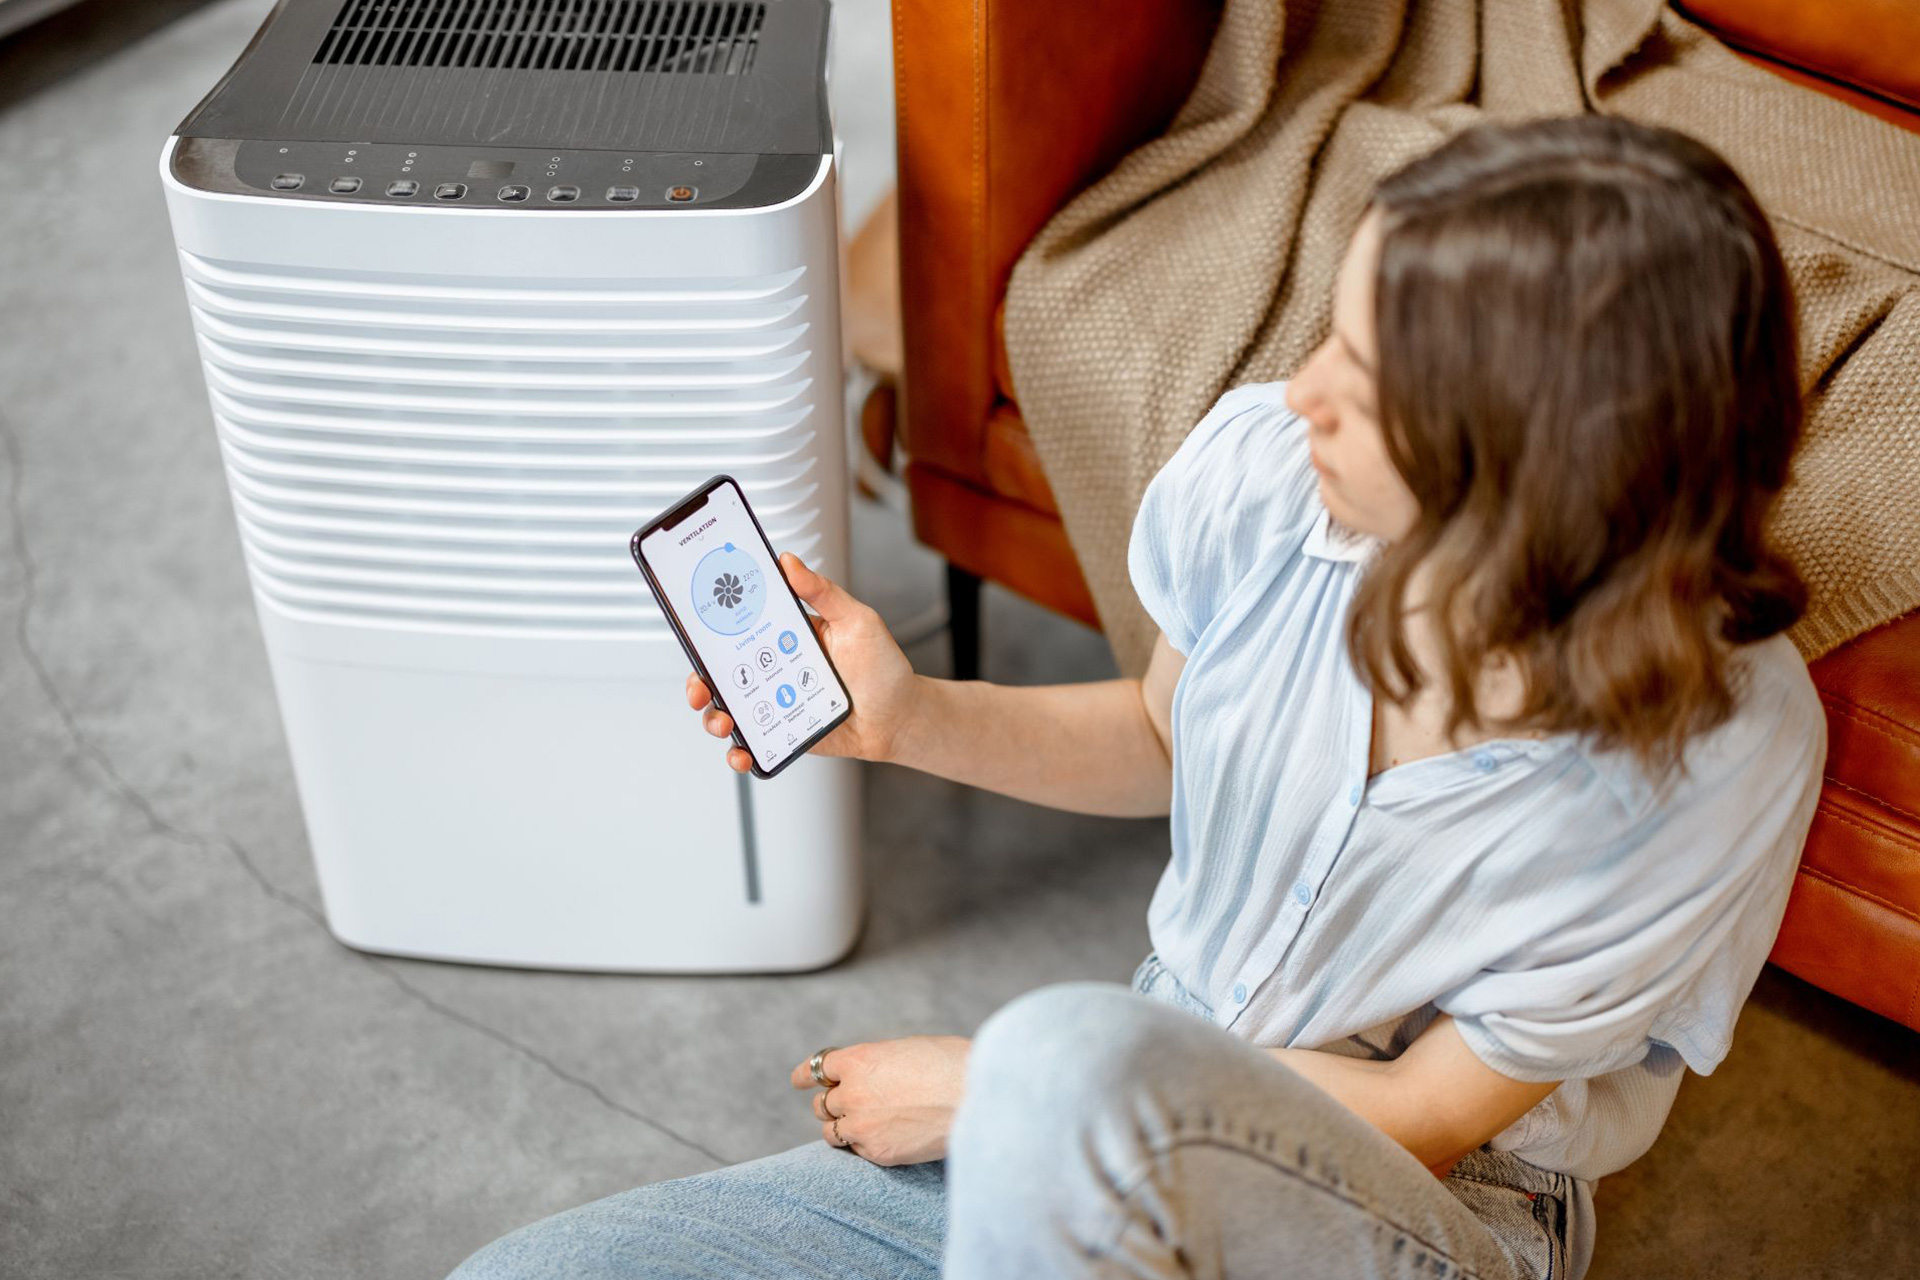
713,569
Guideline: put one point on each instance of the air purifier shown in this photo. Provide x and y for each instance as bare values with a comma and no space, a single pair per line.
478,286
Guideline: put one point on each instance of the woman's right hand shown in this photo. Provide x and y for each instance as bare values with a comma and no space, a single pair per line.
879,679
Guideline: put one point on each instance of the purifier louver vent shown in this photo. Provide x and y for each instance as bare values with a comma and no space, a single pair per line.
663,36
469,454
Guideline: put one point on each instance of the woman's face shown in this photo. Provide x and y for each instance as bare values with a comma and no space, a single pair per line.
1335,392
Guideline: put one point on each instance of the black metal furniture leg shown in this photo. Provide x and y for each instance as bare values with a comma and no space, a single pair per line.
963,621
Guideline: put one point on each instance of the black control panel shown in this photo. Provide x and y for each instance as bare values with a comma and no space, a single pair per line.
464,177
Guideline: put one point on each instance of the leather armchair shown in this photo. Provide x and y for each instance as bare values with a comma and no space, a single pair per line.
1006,110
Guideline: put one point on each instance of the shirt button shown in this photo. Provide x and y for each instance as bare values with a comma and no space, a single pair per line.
1353,796
1239,993
1484,761
1302,892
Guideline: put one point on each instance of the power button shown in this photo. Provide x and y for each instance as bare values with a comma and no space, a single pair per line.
681,195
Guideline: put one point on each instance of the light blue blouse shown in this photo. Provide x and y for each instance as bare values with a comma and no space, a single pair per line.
1578,925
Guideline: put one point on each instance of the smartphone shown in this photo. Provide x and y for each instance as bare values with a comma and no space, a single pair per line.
717,580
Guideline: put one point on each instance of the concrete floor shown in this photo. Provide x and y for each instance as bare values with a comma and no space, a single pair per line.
196,1080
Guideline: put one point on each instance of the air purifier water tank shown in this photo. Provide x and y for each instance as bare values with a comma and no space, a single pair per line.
478,286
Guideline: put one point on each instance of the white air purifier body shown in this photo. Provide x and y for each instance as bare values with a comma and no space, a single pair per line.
443,414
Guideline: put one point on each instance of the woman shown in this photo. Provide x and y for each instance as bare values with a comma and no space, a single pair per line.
1487,763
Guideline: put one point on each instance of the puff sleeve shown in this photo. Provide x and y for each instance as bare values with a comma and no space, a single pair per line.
1239,479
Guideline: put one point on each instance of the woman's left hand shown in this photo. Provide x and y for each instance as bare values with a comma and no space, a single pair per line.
893,1100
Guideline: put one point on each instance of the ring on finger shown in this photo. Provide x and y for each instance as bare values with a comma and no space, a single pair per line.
827,1110
816,1067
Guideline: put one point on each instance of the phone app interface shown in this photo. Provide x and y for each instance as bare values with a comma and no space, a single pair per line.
755,642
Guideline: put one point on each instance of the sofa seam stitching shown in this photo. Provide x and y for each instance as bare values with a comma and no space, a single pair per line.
1873,799
1866,825
1848,709
1835,882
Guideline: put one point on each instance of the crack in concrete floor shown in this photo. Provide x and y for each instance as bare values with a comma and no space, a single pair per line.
166,829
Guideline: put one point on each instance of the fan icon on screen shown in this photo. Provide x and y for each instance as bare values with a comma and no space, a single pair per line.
727,590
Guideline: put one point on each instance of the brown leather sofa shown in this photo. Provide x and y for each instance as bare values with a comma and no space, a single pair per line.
1006,109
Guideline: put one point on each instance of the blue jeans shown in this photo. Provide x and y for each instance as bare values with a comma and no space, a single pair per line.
1100,1134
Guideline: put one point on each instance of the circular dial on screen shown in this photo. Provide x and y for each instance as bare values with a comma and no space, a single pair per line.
729,590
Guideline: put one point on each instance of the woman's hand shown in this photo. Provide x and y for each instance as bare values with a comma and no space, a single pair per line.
893,1100
879,679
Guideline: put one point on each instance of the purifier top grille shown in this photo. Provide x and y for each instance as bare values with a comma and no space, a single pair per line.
710,76
674,37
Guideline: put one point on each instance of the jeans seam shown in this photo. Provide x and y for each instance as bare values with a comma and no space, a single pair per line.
1278,1166
1489,1182
1556,1239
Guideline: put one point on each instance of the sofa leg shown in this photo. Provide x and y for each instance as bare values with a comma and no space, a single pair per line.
963,621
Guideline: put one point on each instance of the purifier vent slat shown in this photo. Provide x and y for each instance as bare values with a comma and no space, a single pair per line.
507,375
677,37
385,551
511,456
580,347
304,514
387,312
441,622
650,487
697,291
413,503
757,431
471,455
639,608
536,401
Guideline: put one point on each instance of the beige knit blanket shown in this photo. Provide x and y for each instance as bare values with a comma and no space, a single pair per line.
1206,259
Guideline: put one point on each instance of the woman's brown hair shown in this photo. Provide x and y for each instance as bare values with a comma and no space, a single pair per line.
1587,377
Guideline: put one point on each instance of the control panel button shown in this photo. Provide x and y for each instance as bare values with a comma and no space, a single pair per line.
680,195
404,187
623,195
450,191
288,181
344,186
565,194
515,192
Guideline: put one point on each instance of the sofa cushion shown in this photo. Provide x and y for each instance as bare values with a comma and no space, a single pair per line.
1853,925
1871,687
1002,369
1011,462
